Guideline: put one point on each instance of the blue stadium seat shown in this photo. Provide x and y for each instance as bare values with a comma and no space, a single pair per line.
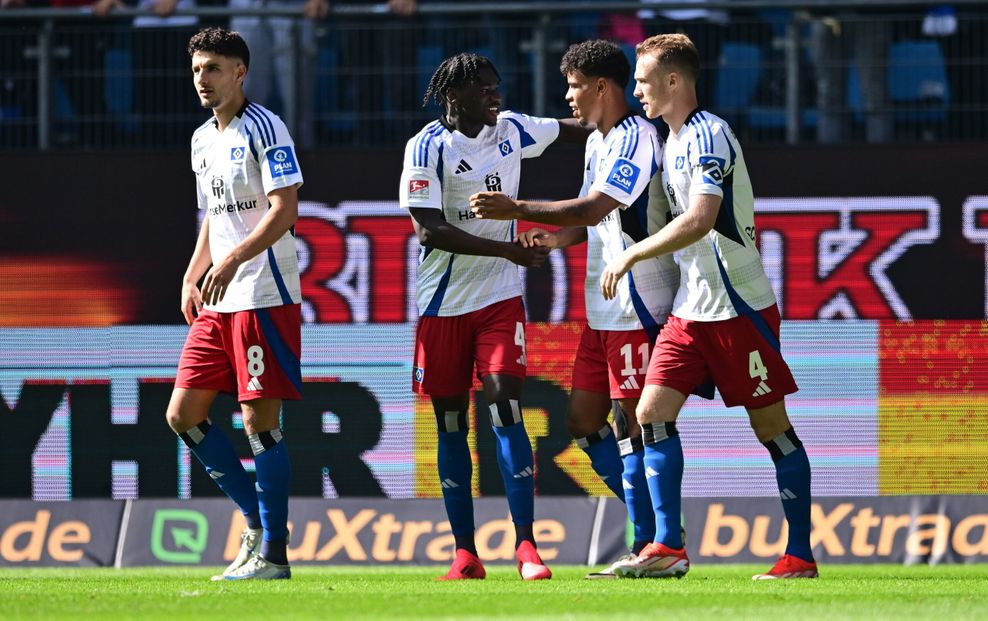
335,106
629,92
738,74
118,88
917,81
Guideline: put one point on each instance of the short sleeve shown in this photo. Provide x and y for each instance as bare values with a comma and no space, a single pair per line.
276,156
421,184
534,133
714,159
629,165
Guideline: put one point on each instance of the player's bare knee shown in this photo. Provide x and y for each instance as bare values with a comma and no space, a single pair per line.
580,425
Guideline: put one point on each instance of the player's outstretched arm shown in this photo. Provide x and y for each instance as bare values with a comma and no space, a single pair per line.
584,211
434,232
572,132
281,216
684,230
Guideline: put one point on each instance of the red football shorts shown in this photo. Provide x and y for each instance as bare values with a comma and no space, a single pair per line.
253,354
447,349
741,355
612,362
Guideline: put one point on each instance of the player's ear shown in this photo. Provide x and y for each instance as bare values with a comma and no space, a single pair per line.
601,85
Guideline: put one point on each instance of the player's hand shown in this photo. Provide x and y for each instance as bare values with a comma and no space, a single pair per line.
494,206
613,273
191,302
532,256
537,237
217,280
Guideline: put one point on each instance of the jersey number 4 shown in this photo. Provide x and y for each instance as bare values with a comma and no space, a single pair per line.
520,342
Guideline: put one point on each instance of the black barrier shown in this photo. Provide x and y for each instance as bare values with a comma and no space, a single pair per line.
124,225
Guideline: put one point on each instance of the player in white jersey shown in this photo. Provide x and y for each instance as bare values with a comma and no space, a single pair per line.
725,323
615,209
469,290
245,335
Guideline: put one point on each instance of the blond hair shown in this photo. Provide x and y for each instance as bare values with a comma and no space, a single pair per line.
673,52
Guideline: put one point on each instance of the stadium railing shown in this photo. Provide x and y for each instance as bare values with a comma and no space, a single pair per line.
782,72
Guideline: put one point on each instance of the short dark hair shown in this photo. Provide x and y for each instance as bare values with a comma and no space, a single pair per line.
220,41
456,72
673,52
597,59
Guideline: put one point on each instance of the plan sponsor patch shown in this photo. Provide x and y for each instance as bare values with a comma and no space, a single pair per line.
418,188
281,161
624,175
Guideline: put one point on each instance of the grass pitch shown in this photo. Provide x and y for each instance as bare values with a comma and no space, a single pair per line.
710,592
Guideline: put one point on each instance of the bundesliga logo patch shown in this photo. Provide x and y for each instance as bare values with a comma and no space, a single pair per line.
505,148
418,188
236,154
624,175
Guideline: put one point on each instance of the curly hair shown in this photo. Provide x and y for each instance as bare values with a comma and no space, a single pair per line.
673,51
597,59
220,41
456,72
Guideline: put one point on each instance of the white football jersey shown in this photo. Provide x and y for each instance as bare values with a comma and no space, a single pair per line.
722,273
235,170
443,168
622,165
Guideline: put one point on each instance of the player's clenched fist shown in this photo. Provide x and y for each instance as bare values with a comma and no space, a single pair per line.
532,256
494,206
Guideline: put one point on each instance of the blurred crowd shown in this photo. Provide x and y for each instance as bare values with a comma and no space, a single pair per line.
341,80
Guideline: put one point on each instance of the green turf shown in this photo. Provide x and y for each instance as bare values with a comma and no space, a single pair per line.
719,592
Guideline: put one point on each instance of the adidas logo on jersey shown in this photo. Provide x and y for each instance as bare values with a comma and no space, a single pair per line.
449,484
762,389
463,167
527,472
786,494
630,384
254,384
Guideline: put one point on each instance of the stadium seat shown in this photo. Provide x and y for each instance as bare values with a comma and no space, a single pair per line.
629,92
917,81
118,89
336,110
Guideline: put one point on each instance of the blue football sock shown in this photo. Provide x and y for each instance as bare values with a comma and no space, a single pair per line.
637,497
664,473
214,450
514,457
792,472
455,476
602,449
273,469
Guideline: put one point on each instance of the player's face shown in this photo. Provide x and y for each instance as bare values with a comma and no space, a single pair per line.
651,86
218,79
581,95
480,103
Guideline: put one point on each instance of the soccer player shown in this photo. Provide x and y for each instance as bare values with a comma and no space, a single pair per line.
469,290
245,335
612,212
725,321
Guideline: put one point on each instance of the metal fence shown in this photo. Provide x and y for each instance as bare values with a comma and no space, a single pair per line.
780,72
